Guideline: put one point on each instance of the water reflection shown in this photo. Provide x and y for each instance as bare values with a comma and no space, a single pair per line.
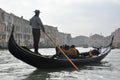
43,74
99,66
69,73
38,75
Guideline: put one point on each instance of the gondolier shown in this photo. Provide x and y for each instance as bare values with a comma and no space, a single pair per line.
37,25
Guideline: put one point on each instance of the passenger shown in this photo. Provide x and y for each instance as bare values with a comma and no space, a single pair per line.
87,54
58,52
65,49
95,52
91,53
73,52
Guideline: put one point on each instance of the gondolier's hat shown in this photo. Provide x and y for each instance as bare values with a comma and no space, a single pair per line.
37,11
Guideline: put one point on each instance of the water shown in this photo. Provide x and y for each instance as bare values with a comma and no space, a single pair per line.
14,69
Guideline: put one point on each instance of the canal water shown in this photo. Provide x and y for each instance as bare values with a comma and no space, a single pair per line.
14,69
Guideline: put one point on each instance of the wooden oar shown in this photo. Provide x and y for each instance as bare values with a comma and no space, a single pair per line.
56,45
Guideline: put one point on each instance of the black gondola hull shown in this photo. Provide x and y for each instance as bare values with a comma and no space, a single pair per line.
44,62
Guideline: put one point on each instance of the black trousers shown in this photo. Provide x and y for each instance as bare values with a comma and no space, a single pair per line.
36,38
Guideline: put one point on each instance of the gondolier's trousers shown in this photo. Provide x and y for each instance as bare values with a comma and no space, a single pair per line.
36,38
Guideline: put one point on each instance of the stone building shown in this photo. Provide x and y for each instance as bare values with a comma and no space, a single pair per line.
97,40
116,42
52,33
23,32
63,38
80,41
4,29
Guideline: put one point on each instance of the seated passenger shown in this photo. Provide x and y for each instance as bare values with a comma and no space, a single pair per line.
65,49
95,52
58,52
69,51
72,52
90,53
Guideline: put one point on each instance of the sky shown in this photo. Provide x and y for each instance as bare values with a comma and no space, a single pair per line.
76,17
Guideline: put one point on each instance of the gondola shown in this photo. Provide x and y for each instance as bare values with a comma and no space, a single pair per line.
46,62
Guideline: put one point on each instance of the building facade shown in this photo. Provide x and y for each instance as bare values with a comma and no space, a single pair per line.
80,41
63,38
23,32
97,40
116,34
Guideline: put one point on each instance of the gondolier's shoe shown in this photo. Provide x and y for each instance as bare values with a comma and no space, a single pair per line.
37,53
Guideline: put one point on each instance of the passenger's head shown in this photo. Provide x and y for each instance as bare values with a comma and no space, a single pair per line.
72,46
67,47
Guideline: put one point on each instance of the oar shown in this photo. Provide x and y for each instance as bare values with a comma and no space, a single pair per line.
56,45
